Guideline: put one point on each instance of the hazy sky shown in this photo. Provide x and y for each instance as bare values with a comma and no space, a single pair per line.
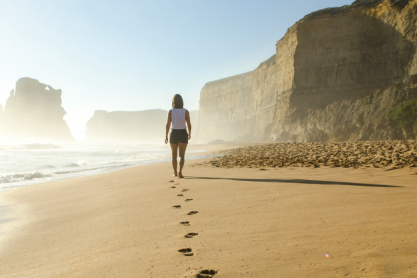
135,55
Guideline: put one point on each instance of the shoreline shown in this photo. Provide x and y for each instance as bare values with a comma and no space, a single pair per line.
198,151
250,223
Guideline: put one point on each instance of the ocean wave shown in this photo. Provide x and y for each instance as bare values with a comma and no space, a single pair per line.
39,146
77,164
25,176
34,146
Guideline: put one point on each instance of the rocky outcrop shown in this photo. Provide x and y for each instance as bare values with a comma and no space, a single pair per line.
140,126
377,154
34,110
336,76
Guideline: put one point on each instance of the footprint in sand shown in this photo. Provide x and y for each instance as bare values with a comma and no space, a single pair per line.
184,190
191,235
185,223
177,206
176,184
187,200
173,187
192,212
206,273
171,181
180,195
187,252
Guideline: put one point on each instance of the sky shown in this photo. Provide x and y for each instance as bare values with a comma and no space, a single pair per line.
132,55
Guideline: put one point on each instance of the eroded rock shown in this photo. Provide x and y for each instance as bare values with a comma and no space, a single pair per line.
34,109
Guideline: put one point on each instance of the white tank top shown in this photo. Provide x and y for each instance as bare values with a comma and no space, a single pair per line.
178,118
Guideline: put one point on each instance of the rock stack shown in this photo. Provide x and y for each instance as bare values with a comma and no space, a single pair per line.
34,110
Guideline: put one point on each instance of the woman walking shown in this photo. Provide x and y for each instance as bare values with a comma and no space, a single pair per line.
178,139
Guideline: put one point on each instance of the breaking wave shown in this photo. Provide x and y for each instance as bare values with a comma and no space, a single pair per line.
25,177
25,163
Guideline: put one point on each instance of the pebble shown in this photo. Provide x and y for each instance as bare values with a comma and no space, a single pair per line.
394,154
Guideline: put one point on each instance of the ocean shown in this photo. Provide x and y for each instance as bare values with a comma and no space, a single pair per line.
28,162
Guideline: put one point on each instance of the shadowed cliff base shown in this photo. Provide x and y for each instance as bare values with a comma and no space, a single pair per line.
336,76
34,110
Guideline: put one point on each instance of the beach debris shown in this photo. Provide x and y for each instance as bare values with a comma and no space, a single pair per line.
191,235
192,212
206,273
186,251
393,154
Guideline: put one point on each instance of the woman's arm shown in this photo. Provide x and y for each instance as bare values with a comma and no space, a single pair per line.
187,119
167,127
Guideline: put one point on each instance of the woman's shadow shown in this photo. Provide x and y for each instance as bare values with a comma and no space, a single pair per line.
300,181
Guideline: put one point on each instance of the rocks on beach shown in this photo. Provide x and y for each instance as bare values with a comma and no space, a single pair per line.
377,154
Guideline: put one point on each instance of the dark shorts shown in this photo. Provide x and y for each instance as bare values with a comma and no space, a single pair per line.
178,136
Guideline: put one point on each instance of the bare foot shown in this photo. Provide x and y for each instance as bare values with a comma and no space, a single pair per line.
175,175
180,176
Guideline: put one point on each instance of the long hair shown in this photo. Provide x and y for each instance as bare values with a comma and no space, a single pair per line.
177,101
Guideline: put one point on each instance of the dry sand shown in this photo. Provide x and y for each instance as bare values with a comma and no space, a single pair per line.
283,222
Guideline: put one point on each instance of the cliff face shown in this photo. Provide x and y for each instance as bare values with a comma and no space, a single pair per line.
34,110
336,75
1,116
223,108
141,126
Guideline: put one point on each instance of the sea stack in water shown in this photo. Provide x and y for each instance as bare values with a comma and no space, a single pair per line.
34,110
337,75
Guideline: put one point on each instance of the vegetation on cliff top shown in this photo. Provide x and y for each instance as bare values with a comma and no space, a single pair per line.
395,3
400,4
405,116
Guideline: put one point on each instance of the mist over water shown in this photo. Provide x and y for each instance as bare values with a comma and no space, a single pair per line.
26,162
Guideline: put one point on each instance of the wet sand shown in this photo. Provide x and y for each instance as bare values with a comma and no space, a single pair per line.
239,222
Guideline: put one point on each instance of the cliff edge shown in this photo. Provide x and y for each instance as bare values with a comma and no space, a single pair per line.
337,75
33,110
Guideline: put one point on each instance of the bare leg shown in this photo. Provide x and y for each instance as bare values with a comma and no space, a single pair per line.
182,147
174,149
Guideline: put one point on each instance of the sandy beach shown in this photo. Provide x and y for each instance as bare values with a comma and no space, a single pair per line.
240,222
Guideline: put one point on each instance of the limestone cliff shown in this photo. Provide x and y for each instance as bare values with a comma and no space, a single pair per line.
140,126
336,75
34,110
223,107
1,116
